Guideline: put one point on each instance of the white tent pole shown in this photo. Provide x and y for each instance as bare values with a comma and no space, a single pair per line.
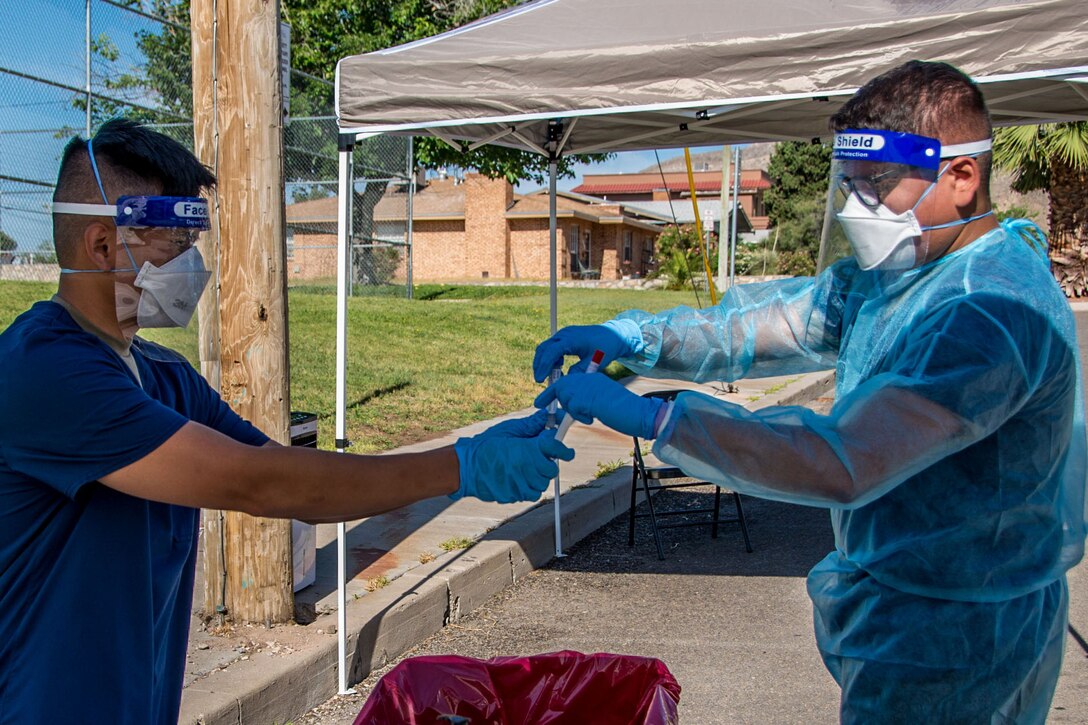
723,215
733,221
553,285
409,211
343,238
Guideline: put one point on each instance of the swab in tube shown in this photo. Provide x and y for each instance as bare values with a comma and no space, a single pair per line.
594,364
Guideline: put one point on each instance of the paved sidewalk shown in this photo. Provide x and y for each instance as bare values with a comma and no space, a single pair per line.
403,587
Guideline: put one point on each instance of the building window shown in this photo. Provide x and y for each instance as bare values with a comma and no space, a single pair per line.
572,247
290,243
627,245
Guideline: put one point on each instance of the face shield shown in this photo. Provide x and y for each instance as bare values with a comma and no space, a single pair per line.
878,179
162,288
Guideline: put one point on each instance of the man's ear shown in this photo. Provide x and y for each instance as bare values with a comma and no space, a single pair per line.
100,245
966,178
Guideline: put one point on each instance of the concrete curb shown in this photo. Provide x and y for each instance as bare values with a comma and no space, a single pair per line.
386,623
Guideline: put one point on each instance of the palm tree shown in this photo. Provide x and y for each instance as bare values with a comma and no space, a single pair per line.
1054,157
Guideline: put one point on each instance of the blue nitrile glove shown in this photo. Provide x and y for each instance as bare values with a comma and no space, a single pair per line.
585,397
511,461
615,338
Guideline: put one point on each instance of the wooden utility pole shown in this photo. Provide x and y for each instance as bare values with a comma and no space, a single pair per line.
238,127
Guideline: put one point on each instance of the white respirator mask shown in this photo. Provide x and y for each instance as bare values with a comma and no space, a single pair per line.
881,239
170,293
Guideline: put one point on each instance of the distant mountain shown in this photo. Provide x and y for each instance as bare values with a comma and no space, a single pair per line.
753,156
1004,198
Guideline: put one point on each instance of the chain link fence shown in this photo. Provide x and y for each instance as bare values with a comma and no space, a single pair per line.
104,58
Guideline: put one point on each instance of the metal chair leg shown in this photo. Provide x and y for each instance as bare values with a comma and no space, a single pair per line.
631,511
743,523
717,510
653,520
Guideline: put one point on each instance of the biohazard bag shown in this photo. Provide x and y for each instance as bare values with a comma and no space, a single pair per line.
555,688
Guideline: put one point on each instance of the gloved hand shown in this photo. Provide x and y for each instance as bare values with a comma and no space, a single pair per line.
511,461
585,397
615,338
526,427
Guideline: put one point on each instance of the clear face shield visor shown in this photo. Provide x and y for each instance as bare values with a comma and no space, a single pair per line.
169,275
166,225
878,178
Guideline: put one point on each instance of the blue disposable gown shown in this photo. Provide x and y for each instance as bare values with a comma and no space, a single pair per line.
953,462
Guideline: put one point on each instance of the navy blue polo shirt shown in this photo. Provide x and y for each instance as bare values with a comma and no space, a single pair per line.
95,585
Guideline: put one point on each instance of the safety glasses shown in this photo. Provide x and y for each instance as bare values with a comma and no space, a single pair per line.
173,240
871,190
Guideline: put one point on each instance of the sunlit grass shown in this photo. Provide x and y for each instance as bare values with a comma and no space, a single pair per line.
416,368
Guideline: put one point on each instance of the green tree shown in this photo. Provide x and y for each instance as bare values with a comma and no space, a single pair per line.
678,257
798,171
7,242
323,31
162,85
1054,158
796,202
44,253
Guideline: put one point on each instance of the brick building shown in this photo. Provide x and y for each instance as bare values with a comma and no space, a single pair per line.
648,186
478,228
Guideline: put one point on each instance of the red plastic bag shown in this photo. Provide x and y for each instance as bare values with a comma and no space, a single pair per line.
555,688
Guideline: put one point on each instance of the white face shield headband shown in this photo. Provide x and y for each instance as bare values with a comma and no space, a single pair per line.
163,295
857,220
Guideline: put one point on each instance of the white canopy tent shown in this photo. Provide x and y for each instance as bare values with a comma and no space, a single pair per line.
559,77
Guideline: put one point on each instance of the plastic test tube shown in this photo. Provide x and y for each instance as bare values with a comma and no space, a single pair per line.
594,364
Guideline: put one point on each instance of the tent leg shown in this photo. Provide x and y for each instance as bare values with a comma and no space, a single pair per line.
553,285
733,217
411,196
343,238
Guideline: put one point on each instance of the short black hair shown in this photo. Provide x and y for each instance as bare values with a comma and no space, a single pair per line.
924,98
132,159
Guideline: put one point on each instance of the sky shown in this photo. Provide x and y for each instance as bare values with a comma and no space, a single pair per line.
45,38
627,162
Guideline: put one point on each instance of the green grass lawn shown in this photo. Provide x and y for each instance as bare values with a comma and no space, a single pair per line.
416,368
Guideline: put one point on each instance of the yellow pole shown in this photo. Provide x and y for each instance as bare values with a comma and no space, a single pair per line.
699,229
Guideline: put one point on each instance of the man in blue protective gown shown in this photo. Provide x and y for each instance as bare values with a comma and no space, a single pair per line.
953,461
109,445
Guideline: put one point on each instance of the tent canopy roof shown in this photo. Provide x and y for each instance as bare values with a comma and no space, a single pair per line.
641,74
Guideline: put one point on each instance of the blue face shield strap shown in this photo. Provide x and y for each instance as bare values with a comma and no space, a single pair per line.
170,212
106,201
973,150
94,168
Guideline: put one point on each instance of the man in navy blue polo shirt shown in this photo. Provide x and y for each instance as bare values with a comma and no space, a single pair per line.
109,445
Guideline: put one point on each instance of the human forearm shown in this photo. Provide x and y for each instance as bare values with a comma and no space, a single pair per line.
866,446
202,468
320,486
755,331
